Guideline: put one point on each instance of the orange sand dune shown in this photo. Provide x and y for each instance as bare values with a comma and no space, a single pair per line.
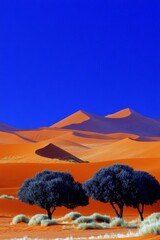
121,114
90,151
11,137
27,153
75,118
54,152
42,134
126,148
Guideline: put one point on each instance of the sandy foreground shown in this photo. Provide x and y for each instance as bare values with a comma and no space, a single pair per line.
12,176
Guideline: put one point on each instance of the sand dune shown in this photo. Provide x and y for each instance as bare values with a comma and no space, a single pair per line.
54,152
126,121
126,149
11,137
41,134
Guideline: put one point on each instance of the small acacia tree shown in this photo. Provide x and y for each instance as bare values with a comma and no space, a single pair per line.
51,189
147,191
112,185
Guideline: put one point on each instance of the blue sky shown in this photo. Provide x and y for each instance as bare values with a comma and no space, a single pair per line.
57,57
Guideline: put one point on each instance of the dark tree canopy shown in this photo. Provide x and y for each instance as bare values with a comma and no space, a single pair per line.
51,189
114,185
147,191
120,185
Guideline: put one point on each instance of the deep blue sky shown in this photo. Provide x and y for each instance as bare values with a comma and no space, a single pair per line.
57,57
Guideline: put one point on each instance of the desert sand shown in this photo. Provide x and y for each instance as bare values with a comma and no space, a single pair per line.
125,137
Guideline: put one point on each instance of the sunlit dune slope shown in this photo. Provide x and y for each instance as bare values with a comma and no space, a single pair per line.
27,152
126,149
11,137
89,148
42,134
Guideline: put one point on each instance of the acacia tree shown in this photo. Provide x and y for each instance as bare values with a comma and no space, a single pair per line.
114,185
51,189
147,191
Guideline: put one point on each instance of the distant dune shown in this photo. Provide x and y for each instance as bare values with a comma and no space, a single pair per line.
125,121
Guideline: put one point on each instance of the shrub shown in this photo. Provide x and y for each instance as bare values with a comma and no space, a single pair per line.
101,218
115,222
4,196
150,228
92,225
48,222
20,218
36,219
133,224
151,219
84,219
68,227
71,215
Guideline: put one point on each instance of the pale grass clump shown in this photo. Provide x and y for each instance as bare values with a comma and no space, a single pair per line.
101,218
5,196
150,225
132,224
71,215
48,222
150,228
20,218
92,225
117,222
36,219
120,222
154,217
84,219
68,227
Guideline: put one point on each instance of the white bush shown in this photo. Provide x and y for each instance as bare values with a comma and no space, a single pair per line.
36,219
4,196
48,222
71,215
154,217
131,224
68,227
84,219
92,225
117,222
150,228
20,218
101,218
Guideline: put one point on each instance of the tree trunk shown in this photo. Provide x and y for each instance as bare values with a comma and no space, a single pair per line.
112,204
141,212
50,212
121,212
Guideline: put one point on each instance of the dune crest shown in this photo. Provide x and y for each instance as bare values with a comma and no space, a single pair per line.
121,114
